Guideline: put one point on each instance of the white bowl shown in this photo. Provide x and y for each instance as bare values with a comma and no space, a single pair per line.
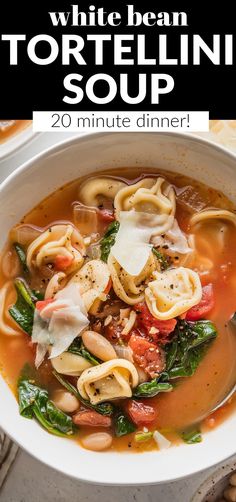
211,490
22,190
16,141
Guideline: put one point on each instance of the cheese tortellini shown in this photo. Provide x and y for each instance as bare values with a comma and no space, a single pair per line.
93,191
59,240
110,380
174,241
56,283
213,214
93,280
127,287
211,236
205,250
5,294
150,195
173,292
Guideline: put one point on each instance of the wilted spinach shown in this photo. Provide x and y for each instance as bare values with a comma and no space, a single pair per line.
151,389
22,257
123,424
23,310
79,349
190,342
34,402
102,408
108,240
192,436
140,437
165,261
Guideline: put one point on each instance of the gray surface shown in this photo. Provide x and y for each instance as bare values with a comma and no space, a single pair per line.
29,480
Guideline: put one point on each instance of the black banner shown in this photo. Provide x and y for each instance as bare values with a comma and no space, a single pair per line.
178,57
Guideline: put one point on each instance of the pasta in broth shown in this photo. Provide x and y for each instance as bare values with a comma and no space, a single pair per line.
114,322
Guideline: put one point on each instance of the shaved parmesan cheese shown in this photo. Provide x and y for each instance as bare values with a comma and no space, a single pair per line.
161,441
132,248
40,332
59,322
48,310
175,239
41,352
72,292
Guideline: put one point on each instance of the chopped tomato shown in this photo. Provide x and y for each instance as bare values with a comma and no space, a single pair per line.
108,287
62,262
113,332
43,303
147,355
91,418
210,422
106,215
206,304
157,331
140,413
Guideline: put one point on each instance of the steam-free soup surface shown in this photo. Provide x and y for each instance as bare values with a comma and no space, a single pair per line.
193,397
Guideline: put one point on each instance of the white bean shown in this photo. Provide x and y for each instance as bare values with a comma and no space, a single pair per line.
97,442
10,264
98,345
232,479
65,401
230,494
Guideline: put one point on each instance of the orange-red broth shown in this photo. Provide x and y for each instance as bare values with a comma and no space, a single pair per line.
194,397
9,128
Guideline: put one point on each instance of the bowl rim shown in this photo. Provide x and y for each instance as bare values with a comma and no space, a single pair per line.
7,427
17,141
52,149
212,479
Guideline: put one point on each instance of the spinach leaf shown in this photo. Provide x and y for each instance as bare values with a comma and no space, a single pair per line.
58,418
165,261
68,386
34,402
151,389
143,436
122,424
22,257
190,343
192,436
23,310
38,295
108,240
79,349
27,392
171,354
102,408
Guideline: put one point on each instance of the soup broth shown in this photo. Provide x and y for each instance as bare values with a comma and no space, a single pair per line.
9,128
206,247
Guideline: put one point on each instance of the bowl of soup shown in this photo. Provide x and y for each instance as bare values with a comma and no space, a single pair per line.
13,135
118,294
